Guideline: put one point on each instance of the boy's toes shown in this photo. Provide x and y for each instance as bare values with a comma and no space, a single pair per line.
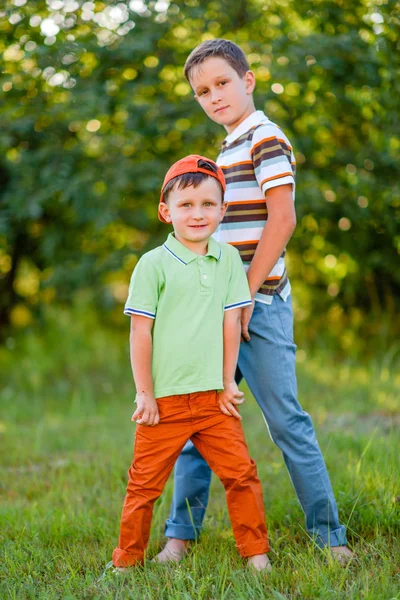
173,551
342,554
110,569
260,562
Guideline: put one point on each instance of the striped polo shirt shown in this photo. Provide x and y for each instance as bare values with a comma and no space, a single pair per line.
255,157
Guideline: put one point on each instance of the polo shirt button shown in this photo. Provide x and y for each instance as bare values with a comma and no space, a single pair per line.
204,276
201,261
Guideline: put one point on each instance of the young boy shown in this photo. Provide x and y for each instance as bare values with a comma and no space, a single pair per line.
259,168
192,289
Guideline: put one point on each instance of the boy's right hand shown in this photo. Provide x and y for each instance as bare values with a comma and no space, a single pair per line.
228,398
146,412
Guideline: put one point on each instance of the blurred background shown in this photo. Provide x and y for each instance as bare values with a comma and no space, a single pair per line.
94,109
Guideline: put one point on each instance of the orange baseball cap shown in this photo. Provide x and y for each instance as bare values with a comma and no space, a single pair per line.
190,164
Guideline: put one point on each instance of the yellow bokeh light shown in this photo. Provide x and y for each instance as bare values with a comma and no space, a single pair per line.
5,263
344,224
93,125
362,201
263,74
182,89
277,88
330,195
20,316
129,74
99,188
151,61
330,261
183,124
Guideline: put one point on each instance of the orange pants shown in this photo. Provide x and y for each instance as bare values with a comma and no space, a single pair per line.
220,440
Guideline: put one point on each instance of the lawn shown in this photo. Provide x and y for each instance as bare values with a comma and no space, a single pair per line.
66,443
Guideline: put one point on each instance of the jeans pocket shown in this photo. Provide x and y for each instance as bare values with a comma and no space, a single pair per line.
285,316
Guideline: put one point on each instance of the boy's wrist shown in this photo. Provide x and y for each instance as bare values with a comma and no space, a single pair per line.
253,291
145,394
228,381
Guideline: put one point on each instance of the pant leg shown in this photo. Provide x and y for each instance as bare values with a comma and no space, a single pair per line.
155,452
268,363
192,478
223,445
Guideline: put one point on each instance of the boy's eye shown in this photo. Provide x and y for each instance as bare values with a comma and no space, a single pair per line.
203,92
207,203
222,82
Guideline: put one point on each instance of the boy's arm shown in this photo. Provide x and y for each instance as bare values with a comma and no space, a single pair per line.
230,394
277,232
141,347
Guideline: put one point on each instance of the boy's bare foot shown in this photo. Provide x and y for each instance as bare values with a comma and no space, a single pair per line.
173,551
260,562
119,570
342,554
110,568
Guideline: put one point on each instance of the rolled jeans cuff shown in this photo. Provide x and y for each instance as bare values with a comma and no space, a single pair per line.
333,537
181,532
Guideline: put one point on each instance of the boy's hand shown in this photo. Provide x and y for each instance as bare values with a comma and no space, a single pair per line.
146,412
247,312
227,399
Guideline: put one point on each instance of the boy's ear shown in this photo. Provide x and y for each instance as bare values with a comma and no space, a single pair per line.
223,210
164,211
250,81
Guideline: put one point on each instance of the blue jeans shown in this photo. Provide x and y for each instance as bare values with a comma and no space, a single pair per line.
268,364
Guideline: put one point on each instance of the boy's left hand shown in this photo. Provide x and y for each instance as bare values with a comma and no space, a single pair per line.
227,399
247,313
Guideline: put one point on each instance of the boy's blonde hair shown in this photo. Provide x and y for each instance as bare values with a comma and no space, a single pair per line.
217,48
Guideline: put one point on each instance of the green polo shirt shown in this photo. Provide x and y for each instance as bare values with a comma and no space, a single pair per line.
187,295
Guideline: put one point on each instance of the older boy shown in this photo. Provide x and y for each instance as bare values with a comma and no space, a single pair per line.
259,167
192,289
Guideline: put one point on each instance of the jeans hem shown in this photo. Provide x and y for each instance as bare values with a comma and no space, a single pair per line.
181,532
330,539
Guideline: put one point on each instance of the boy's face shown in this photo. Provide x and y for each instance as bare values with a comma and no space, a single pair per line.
224,96
195,213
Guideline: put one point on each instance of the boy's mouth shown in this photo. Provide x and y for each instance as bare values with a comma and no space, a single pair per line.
221,108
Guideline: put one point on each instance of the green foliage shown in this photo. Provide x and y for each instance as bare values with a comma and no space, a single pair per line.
95,108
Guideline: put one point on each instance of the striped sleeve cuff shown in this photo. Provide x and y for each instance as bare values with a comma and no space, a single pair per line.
237,305
142,313
276,181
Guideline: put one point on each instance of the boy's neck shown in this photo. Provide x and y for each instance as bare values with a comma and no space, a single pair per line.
200,248
250,110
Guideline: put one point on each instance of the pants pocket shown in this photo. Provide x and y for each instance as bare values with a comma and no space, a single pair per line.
285,317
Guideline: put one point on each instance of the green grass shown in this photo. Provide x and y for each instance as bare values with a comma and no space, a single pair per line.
65,446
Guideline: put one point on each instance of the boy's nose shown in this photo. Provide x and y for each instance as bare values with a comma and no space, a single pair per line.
198,213
215,96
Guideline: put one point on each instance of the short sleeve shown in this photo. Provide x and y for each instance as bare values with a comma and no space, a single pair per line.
238,294
272,157
143,290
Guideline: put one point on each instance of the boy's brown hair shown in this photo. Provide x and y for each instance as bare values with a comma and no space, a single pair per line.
217,48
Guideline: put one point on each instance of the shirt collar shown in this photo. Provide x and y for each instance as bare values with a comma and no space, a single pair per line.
184,255
255,118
